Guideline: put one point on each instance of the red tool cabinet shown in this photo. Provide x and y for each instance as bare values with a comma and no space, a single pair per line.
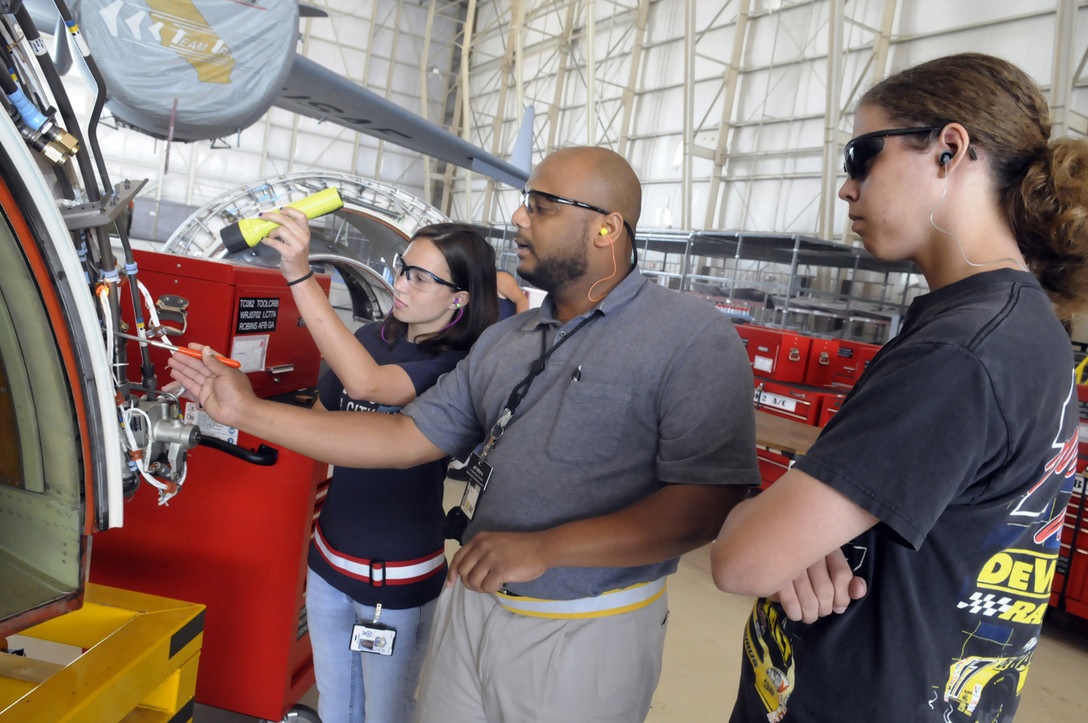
822,362
245,312
235,537
1069,591
831,405
775,353
850,361
800,403
772,465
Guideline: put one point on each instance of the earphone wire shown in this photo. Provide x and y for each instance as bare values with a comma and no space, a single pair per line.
955,238
615,270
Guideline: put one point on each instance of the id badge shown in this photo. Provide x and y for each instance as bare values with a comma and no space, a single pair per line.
478,473
373,638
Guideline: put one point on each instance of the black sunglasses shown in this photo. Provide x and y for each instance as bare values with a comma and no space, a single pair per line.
419,277
532,207
860,152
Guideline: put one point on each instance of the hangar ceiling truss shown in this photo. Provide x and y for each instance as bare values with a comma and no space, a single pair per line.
734,113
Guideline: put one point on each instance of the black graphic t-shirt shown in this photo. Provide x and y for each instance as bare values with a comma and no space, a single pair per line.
961,438
390,515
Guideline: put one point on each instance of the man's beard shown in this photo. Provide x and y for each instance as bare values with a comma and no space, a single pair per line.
552,274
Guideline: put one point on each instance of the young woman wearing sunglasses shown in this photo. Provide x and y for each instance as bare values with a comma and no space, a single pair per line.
377,562
946,473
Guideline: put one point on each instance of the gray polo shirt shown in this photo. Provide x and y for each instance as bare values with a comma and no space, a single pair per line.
657,390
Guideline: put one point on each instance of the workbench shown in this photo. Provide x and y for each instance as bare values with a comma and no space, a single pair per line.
784,435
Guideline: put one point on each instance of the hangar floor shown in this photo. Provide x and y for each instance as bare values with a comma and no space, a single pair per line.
702,656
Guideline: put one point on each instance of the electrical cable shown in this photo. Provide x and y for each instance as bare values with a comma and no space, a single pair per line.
60,97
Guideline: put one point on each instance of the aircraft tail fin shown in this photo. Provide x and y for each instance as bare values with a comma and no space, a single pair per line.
521,156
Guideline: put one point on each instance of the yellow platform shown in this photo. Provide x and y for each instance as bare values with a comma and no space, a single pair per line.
139,663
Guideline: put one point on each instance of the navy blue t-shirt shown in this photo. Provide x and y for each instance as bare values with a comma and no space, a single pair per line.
392,515
507,308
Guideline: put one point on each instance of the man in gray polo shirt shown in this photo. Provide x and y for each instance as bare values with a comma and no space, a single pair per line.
636,436
617,432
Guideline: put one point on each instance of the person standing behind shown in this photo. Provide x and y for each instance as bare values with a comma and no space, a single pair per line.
377,559
512,300
947,470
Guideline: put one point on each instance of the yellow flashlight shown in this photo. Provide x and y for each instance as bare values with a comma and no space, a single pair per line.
248,232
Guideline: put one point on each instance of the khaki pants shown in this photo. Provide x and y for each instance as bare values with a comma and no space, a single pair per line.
486,664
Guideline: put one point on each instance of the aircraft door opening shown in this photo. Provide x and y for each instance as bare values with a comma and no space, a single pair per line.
53,490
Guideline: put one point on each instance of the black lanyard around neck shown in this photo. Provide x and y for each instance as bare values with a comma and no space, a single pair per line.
522,388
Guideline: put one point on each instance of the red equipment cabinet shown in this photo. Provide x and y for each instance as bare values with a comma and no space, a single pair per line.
821,367
236,535
791,401
775,353
772,465
830,407
850,361
246,312
1069,590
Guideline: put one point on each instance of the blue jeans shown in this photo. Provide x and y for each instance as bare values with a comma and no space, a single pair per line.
356,687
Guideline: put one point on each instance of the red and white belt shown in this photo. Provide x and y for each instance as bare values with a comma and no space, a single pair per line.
381,572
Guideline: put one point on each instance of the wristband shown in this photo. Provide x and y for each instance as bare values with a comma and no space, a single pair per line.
300,279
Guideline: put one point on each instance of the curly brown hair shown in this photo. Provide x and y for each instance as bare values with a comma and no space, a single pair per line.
1042,184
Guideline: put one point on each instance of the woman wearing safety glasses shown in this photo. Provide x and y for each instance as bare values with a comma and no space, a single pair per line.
946,473
377,560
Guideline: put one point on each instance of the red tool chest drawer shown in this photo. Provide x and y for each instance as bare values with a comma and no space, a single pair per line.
791,402
776,353
772,465
820,370
831,405
850,361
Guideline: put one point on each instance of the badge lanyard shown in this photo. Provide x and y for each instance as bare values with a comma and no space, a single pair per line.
477,468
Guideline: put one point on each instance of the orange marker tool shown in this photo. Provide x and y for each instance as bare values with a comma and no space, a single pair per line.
180,349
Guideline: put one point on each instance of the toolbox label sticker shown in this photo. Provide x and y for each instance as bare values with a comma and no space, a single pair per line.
763,364
250,351
768,399
257,315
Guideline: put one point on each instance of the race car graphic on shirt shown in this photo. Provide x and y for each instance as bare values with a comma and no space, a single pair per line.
773,668
980,688
769,650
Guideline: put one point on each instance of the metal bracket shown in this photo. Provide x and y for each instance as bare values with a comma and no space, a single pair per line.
105,211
